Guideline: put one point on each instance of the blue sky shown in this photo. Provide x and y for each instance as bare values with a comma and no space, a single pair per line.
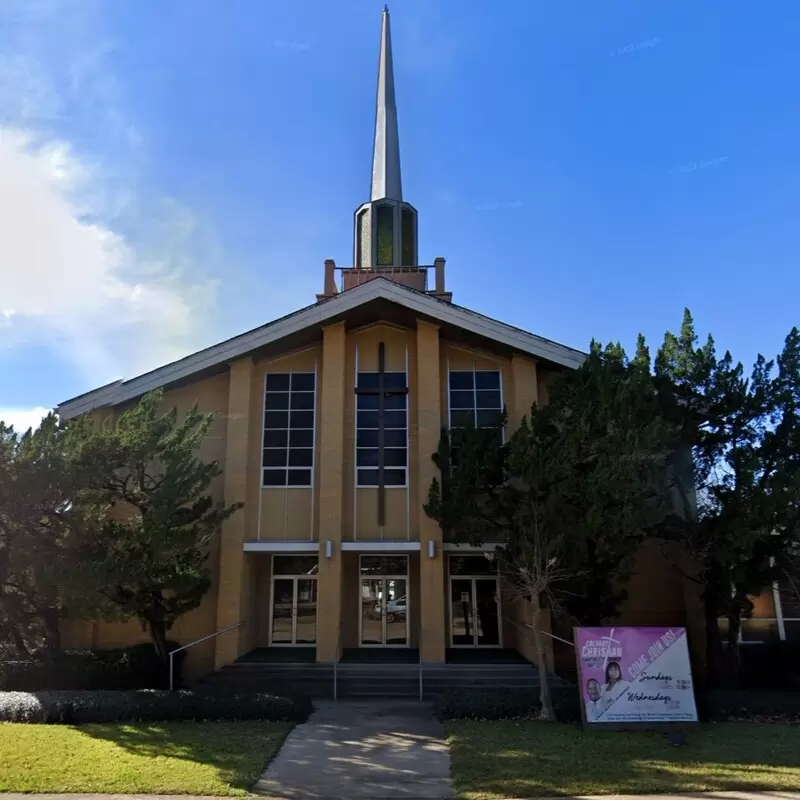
175,173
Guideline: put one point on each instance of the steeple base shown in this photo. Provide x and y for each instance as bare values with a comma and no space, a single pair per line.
413,277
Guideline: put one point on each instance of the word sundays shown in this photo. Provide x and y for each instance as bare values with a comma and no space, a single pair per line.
653,652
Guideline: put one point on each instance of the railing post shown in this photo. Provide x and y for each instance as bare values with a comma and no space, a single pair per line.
420,669
191,644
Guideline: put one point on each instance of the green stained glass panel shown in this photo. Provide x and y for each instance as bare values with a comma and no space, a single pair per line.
408,238
362,239
385,235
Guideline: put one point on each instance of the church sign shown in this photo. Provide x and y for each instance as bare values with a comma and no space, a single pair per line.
635,675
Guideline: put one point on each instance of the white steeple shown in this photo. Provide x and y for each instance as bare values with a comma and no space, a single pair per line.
386,181
385,227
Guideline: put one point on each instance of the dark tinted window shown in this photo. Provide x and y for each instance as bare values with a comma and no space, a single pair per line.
289,405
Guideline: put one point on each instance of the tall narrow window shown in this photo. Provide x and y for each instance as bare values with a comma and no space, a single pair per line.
407,218
289,404
381,413
362,238
385,235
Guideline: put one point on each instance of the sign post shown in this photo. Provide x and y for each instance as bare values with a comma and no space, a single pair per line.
634,677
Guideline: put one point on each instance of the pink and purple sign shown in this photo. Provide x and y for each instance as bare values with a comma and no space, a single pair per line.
635,675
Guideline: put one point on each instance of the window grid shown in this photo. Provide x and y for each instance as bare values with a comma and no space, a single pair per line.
395,434
297,390
482,414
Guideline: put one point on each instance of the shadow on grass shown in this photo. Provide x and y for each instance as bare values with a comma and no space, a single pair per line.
238,751
521,759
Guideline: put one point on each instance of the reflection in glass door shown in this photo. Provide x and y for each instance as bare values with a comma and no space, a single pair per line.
474,612
294,611
282,611
305,614
384,612
372,611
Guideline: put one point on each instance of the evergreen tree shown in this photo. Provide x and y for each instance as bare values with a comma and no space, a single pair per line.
149,560
39,525
741,522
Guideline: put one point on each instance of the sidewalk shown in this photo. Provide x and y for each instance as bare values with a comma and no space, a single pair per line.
379,751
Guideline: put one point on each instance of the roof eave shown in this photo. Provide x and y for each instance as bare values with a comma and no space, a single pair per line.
318,314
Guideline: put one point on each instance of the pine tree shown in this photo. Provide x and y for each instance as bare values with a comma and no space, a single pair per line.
741,522
39,525
149,560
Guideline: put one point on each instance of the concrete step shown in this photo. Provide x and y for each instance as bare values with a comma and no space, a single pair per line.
372,680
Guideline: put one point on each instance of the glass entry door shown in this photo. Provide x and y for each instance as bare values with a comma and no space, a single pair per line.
294,611
474,612
384,612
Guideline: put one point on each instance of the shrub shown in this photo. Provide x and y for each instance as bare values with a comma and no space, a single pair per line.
136,667
80,707
504,704
772,665
723,704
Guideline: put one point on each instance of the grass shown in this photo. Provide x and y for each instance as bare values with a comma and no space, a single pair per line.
211,758
493,760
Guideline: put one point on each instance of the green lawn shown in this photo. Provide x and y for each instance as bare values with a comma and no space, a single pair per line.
493,760
219,758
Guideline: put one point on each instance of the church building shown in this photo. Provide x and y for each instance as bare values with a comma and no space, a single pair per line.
325,423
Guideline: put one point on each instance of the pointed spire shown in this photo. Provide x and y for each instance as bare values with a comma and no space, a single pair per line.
386,153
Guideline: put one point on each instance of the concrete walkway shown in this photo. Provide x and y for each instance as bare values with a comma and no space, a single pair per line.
387,750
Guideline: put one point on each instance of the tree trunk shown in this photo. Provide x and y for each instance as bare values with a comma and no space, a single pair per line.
733,662
19,643
158,633
51,618
713,639
547,711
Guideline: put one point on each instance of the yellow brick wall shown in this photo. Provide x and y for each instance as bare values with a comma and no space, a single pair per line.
262,568
333,390
429,420
235,578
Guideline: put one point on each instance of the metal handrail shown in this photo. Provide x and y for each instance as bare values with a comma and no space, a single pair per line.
191,644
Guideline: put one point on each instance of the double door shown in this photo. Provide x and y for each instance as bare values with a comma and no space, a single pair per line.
294,611
475,612
384,612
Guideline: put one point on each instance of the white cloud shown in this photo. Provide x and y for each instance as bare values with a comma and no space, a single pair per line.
73,275
73,281
23,418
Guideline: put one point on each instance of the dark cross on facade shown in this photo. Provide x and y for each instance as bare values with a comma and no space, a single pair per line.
382,392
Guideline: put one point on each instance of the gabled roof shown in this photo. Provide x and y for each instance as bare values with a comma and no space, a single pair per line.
322,313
